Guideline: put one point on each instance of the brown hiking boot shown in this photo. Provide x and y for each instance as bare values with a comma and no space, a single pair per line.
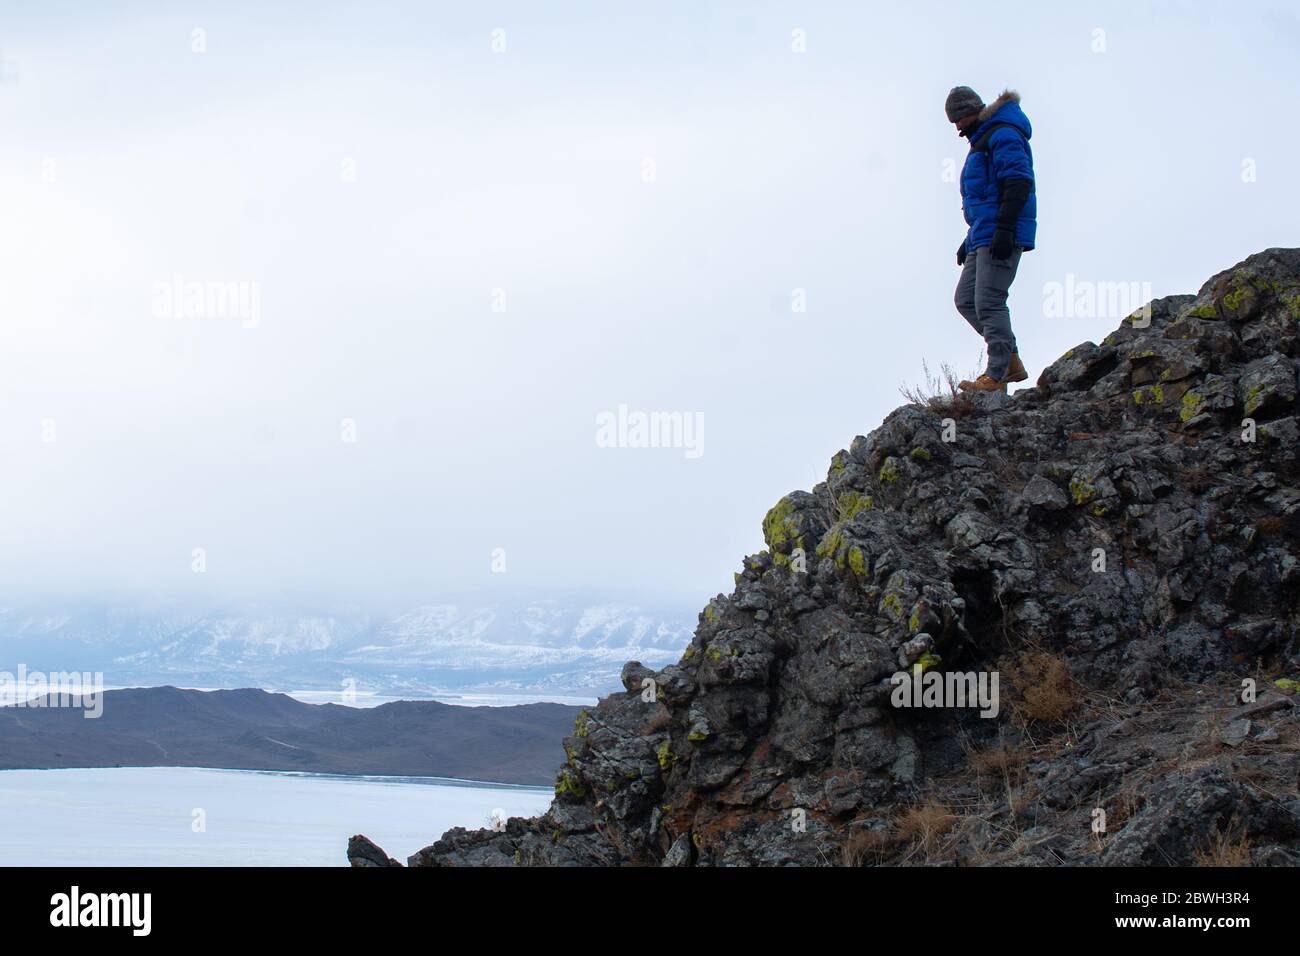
983,384
1016,370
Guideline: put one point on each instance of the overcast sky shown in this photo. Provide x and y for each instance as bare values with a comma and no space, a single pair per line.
465,231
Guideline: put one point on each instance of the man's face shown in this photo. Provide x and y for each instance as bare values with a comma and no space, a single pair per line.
966,123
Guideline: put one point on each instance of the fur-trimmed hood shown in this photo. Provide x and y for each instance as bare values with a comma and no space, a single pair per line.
1006,96
1005,109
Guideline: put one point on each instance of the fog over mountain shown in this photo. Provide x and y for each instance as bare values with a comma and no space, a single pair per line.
554,646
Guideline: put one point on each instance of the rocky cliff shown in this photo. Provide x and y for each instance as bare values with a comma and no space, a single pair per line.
1119,545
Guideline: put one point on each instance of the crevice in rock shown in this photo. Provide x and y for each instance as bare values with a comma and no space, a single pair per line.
984,619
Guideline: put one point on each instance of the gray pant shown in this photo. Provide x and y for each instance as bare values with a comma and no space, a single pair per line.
981,298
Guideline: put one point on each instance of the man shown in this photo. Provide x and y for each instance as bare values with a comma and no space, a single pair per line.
997,198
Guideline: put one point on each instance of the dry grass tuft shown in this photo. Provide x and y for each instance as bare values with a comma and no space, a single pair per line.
924,824
1044,692
939,393
1225,848
866,848
999,761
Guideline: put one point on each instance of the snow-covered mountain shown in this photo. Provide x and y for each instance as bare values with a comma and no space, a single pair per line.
552,646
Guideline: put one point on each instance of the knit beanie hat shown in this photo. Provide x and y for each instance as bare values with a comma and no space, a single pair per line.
962,101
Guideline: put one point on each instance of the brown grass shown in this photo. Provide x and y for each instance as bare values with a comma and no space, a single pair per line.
1000,760
1225,848
923,824
939,393
1125,805
1044,692
1172,733
1270,524
866,848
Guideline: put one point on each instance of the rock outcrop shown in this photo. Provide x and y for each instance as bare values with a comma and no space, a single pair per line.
1120,545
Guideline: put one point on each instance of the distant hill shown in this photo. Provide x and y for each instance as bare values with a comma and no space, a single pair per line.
255,730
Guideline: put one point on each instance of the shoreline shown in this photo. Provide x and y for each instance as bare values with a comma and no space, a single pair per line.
367,777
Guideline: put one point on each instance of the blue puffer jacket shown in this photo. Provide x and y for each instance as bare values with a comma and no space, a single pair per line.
1008,157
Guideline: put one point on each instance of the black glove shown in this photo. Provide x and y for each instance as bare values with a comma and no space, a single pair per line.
1003,241
1014,195
961,253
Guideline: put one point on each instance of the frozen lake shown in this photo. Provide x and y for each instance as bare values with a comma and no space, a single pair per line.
146,816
